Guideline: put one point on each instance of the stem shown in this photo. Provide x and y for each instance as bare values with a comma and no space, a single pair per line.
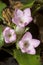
27,5
8,51
37,8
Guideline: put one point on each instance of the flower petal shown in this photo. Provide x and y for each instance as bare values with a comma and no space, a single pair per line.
23,51
5,30
20,44
12,32
31,50
26,20
35,42
21,24
15,20
27,12
22,18
19,13
9,35
7,40
27,35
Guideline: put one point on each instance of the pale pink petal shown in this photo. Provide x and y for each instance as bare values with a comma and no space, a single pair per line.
15,20
27,35
26,20
5,34
8,31
18,22
20,44
31,50
21,24
5,30
23,51
12,31
17,16
35,42
19,13
27,12
7,40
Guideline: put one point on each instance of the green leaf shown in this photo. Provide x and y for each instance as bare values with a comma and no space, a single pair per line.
1,37
24,59
2,6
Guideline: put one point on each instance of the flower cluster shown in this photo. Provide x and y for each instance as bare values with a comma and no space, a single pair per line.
26,43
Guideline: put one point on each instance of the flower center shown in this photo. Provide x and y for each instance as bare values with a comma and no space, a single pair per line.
21,22
9,35
26,44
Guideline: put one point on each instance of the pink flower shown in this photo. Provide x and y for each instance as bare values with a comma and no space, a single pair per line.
9,35
27,44
22,18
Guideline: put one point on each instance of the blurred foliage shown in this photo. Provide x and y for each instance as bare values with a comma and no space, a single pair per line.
41,1
26,3
2,6
1,37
